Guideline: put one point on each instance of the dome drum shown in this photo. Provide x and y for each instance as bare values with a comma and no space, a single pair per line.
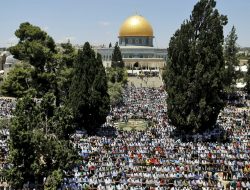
136,41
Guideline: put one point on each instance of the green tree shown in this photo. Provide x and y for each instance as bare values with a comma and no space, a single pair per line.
19,81
117,71
88,97
117,57
115,93
99,96
40,146
50,68
231,59
65,58
196,63
54,180
247,78
68,53
110,45
39,142
4,123
37,48
21,147
117,75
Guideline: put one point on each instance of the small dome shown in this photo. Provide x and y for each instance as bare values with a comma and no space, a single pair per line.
136,26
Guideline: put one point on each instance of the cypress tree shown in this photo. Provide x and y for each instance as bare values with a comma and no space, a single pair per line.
247,78
117,72
100,94
88,95
230,54
196,63
117,57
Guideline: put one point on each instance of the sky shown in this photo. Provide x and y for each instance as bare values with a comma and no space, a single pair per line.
98,21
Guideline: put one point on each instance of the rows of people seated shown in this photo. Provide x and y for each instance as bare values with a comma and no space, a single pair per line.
153,159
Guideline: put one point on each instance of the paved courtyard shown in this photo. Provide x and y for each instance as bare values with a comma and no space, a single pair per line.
150,82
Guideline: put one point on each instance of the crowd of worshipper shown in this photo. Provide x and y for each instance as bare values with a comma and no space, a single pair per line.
153,159
4,137
7,105
141,103
238,99
145,73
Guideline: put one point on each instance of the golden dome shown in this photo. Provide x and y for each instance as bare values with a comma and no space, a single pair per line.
136,26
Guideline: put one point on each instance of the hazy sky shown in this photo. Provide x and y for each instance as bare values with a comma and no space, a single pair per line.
98,21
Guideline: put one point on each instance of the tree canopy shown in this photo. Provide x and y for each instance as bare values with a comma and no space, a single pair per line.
117,57
88,96
196,63
39,142
19,81
230,55
247,78
43,68
117,72
40,130
36,48
115,93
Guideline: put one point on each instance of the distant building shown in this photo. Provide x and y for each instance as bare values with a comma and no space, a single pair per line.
244,51
136,44
243,62
6,62
3,55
